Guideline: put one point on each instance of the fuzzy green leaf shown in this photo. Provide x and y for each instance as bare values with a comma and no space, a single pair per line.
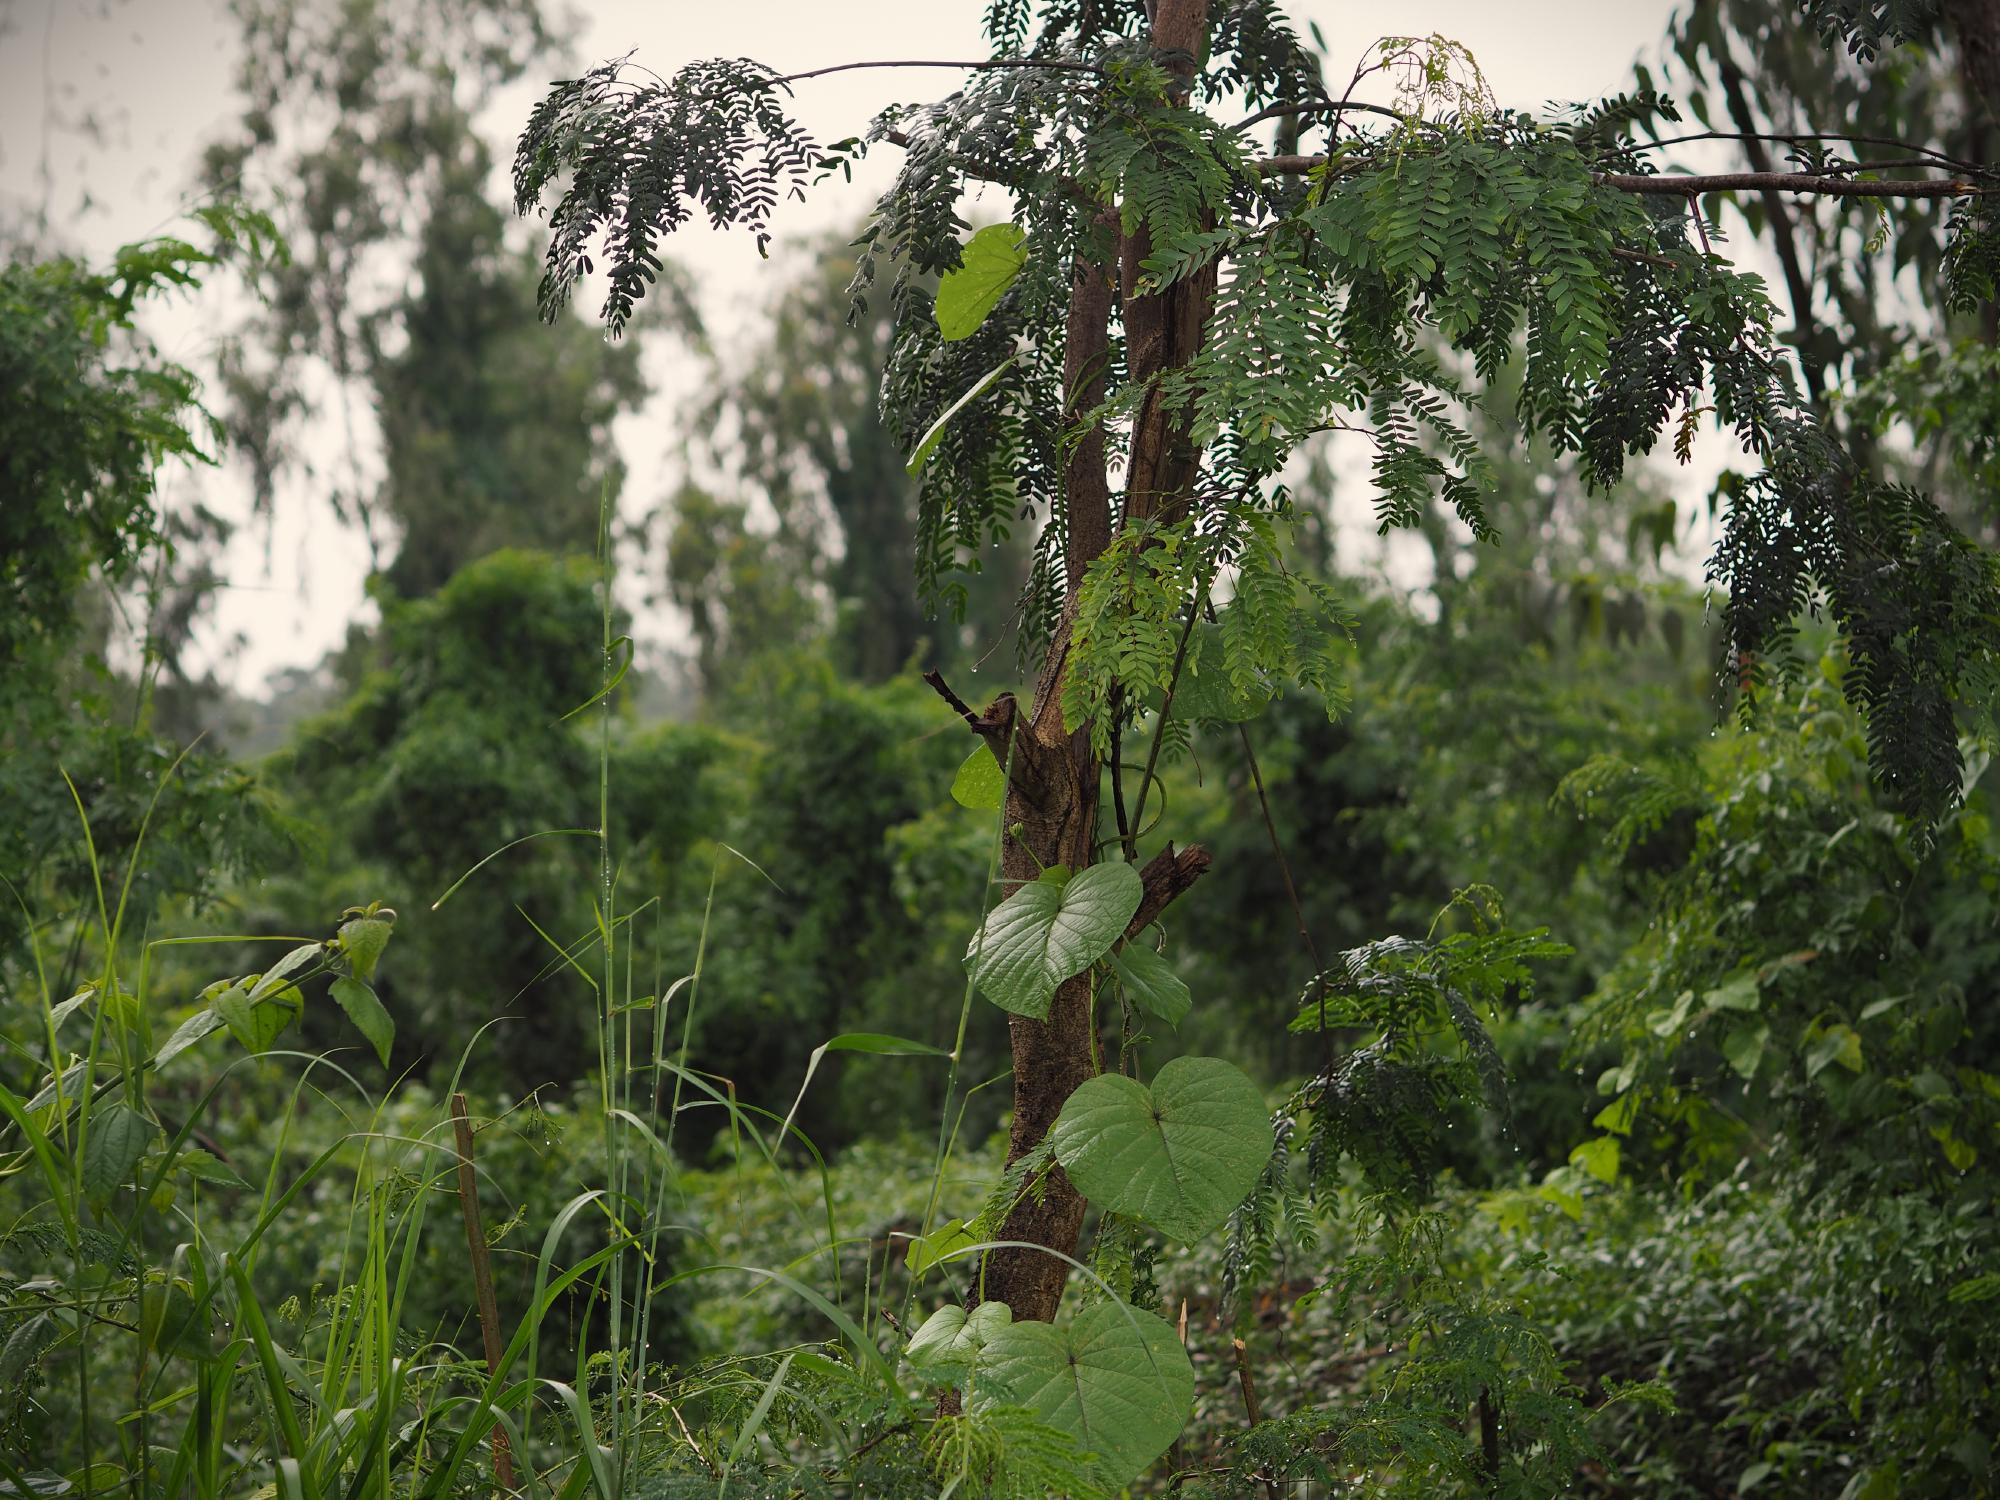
1048,930
1179,1155
367,1014
949,1343
118,1137
1743,1047
1152,983
364,938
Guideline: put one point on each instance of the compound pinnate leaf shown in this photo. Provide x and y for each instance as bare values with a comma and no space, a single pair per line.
1152,983
1179,1155
1048,930
990,261
1115,1378
949,1343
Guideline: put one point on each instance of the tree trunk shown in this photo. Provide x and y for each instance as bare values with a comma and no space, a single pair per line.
1052,796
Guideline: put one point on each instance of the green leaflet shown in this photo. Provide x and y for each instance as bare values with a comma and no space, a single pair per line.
991,260
367,1014
948,1345
1048,930
1179,1155
1114,1377
1152,983
980,783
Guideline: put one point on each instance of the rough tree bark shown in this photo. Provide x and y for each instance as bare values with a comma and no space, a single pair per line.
1052,796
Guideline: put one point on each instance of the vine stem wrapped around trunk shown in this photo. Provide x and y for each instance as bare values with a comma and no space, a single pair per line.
1052,796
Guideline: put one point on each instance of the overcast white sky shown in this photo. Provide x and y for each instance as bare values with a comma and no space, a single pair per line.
161,74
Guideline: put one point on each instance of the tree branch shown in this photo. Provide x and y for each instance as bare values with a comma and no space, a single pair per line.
1793,138
1680,186
989,65
1811,183
1166,877
1327,107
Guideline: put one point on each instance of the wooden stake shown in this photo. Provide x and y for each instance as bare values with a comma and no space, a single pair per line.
482,1277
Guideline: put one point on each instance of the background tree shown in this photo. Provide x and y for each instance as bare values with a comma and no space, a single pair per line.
404,293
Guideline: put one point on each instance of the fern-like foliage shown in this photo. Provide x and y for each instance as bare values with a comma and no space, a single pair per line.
1007,1453
1416,1009
639,158
1864,27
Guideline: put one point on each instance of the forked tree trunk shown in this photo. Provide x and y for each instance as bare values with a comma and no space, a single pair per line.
1053,792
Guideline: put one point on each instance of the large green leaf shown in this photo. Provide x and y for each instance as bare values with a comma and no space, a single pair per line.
991,260
1114,1378
1180,1155
118,1137
949,1343
367,1013
1048,930
1152,983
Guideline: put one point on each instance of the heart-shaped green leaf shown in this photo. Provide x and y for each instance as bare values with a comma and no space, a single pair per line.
928,1249
1115,1378
980,783
254,1024
1048,930
1179,1155
367,1014
988,265
1152,983
949,1343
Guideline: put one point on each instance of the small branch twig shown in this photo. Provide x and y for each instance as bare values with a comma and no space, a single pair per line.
958,705
1164,878
991,64
1326,107
1250,1406
1792,138
1812,184
482,1277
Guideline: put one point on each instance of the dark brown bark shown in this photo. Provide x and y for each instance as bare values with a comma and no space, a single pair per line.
1086,353
1052,793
